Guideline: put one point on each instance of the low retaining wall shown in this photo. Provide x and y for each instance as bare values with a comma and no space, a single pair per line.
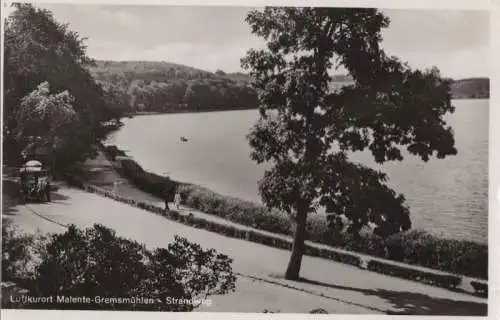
392,268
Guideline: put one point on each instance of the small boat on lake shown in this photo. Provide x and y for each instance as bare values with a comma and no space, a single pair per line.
184,139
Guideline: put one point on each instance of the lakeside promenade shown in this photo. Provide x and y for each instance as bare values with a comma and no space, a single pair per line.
335,287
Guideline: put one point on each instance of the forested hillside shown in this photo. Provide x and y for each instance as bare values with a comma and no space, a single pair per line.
167,87
146,86
471,88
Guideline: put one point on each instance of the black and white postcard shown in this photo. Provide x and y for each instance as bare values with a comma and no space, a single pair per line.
246,159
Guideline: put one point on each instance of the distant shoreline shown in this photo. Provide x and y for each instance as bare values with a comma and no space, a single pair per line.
149,113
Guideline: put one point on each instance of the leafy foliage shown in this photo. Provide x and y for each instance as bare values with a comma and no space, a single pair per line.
202,272
147,86
95,262
165,87
45,62
159,186
236,210
416,247
306,129
17,252
447,281
480,288
419,247
46,117
112,152
41,113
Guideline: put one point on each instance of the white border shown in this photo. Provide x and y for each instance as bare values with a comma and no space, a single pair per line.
494,159
494,173
393,4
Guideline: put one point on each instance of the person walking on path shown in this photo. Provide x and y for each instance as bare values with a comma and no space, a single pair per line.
177,200
167,197
115,188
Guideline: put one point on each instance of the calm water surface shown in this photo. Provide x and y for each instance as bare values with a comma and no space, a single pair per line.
448,196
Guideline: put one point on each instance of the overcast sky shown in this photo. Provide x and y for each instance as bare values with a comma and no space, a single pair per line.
214,38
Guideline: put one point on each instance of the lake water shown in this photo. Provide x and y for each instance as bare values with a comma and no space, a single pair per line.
448,196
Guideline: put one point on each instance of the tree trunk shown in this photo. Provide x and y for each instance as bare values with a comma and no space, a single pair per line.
293,269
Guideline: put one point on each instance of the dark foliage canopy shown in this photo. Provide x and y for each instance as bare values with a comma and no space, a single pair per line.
95,262
39,50
307,131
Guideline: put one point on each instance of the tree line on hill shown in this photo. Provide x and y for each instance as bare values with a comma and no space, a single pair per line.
150,86
471,88
164,87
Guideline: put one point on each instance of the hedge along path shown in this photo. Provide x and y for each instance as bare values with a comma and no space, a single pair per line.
453,282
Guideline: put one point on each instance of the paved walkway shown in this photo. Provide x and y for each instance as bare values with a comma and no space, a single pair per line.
101,173
335,287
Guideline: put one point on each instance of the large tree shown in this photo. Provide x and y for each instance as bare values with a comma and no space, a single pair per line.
39,49
307,131
45,115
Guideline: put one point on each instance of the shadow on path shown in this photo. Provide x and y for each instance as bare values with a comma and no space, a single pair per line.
10,197
55,196
410,303
9,206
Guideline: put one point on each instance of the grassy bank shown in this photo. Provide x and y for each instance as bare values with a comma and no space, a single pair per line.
415,247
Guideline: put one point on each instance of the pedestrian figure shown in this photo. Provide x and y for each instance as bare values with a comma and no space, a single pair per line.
115,188
177,200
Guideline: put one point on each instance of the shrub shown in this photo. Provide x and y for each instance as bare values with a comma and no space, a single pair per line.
447,281
367,243
174,215
414,247
112,152
240,211
480,288
152,183
425,249
149,182
344,258
73,178
130,166
17,253
318,229
95,262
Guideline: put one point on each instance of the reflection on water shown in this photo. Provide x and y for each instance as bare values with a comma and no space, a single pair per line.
445,195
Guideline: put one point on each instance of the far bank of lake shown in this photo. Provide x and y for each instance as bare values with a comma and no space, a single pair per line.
183,109
447,196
